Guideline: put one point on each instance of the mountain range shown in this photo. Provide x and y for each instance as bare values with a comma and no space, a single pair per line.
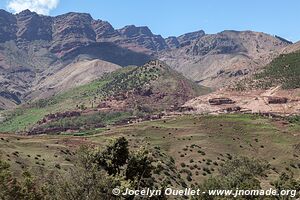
41,56
197,111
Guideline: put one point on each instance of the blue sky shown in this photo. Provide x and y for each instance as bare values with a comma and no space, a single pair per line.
174,17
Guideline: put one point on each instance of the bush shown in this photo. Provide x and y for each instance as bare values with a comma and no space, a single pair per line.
294,119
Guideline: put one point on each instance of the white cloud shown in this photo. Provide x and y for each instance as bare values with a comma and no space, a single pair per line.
38,6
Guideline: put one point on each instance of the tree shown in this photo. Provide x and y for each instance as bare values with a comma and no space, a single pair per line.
114,156
139,168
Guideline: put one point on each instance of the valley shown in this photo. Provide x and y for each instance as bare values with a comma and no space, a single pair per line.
86,108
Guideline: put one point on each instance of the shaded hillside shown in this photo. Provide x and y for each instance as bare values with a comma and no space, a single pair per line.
128,92
109,52
20,70
7,102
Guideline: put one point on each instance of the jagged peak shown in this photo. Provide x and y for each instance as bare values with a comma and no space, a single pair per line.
102,22
131,30
28,12
4,11
202,32
191,35
85,15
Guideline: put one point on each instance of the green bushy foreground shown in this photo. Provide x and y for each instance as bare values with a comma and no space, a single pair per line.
97,172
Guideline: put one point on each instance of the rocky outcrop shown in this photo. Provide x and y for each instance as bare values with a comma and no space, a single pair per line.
72,30
141,37
8,26
32,26
172,42
184,40
104,31
222,43
11,96
188,37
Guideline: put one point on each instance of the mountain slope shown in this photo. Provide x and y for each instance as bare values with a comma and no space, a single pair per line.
33,47
283,71
217,59
292,48
73,75
7,102
128,92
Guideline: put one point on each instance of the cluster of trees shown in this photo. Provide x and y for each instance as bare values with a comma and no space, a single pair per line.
127,80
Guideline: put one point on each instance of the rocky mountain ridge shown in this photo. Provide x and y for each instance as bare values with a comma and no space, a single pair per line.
34,47
68,31
215,60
